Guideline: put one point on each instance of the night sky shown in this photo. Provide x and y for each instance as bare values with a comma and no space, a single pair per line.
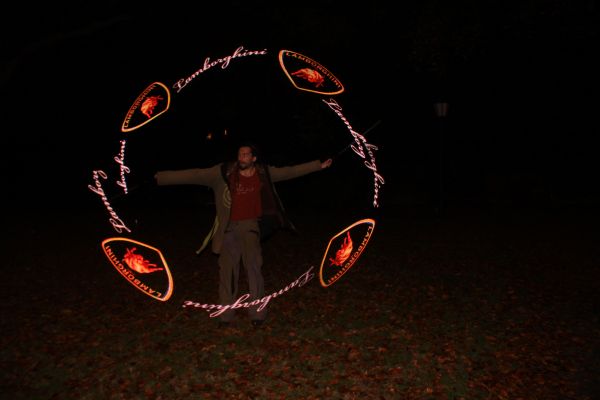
519,78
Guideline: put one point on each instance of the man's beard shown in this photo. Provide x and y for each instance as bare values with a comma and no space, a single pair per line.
244,166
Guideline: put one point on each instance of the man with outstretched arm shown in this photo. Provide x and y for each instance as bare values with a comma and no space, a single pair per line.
248,210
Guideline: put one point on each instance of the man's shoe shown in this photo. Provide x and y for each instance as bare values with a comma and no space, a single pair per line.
257,322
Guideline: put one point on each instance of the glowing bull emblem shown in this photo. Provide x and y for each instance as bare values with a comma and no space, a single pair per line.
344,252
310,75
138,265
345,256
149,104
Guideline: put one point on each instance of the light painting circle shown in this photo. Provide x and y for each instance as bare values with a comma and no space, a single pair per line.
137,262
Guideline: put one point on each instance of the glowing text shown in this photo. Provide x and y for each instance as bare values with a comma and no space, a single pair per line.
239,303
239,52
362,145
114,219
120,159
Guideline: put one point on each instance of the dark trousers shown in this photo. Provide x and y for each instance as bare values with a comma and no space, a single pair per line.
241,243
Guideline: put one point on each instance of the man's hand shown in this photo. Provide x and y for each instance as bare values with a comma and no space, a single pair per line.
326,163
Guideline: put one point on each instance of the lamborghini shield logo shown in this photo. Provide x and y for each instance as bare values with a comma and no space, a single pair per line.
344,249
307,74
151,103
141,265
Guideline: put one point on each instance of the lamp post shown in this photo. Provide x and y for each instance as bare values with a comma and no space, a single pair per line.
441,112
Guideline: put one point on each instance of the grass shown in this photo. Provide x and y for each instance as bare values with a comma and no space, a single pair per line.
474,305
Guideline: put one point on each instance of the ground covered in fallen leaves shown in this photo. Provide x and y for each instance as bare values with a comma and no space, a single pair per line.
480,303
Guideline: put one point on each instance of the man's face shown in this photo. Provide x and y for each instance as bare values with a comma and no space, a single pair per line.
245,157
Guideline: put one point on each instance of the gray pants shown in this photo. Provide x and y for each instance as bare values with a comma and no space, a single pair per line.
241,243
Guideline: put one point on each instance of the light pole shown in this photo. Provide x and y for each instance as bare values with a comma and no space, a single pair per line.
441,112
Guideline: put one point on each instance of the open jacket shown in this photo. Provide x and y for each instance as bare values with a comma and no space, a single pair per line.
217,177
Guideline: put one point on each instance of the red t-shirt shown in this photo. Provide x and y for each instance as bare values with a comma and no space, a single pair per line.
245,198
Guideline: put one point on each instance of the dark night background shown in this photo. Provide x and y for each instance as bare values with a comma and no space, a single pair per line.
499,197
519,78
